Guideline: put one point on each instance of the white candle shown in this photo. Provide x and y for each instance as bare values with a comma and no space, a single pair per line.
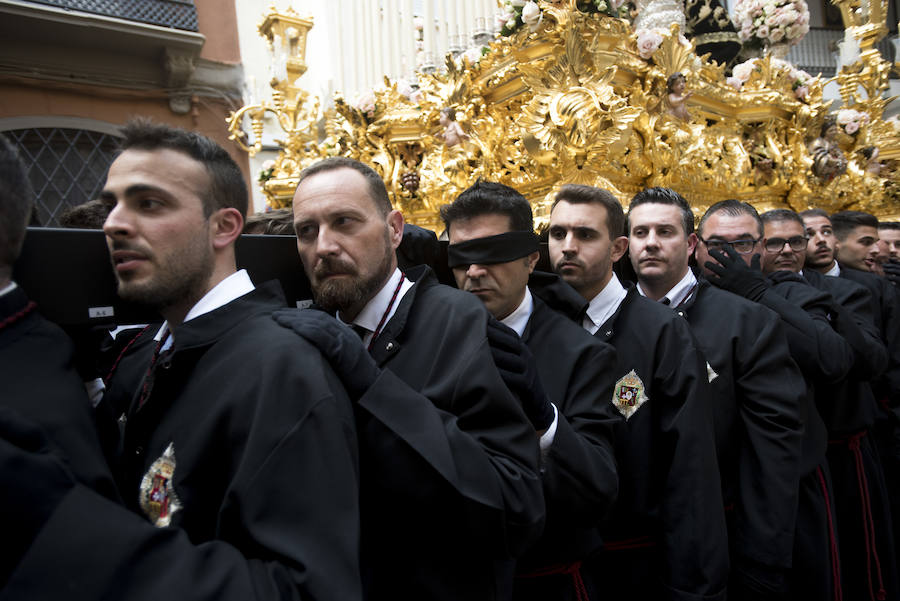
408,35
428,28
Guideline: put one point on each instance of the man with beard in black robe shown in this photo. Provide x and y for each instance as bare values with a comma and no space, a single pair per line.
451,490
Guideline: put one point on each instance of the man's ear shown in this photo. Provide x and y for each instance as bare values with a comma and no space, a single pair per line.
533,260
692,243
395,225
619,247
225,227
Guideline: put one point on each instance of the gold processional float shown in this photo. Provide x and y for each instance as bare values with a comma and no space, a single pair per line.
569,93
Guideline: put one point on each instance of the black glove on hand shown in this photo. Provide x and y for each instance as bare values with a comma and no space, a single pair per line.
34,483
518,369
892,272
339,344
734,275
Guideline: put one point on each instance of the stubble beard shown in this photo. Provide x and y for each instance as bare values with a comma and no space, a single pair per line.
182,279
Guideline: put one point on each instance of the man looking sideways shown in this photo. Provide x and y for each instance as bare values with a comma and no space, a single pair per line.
451,490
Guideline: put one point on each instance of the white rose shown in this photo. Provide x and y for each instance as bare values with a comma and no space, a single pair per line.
845,116
531,15
743,70
270,164
734,82
648,41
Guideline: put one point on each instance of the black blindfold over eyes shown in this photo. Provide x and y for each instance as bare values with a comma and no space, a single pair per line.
492,249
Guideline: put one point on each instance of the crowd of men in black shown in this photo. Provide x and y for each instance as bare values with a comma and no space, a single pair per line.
723,426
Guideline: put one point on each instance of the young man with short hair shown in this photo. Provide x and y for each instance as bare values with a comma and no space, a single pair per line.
758,389
666,538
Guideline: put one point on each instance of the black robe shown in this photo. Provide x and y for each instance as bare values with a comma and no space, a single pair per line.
41,384
823,356
666,537
579,469
868,557
451,490
759,410
263,499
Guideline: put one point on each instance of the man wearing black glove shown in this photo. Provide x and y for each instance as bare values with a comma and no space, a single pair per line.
759,391
451,486
542,357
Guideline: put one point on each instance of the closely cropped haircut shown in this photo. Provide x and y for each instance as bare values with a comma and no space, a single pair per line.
16,200
665,196
815,213
889,225
377,190
732,207
781,215
227,188
89,215
490,198
581,194
844,222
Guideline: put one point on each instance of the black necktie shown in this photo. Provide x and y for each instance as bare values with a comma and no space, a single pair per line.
666,301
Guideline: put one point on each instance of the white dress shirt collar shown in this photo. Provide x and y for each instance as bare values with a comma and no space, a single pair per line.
518,319
234,286
375,309
835,270
679,292
8,288
604,305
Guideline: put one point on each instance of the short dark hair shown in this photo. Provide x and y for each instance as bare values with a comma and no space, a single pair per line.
581,194
844,222
377,190
781,215
274,222
490,198
815,213
227,188
88,215
732,207
16,199
665,196
889,225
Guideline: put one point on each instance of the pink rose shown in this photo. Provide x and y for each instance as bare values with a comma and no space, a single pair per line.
802,92
762,32
648,42
777,35
852,127
735,83
743,70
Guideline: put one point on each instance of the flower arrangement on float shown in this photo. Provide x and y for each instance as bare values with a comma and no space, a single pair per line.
763,23
800,79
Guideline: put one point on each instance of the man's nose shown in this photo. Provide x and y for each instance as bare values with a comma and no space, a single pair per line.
117,223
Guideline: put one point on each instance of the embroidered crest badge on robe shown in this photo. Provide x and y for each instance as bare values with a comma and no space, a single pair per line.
157,494
628,394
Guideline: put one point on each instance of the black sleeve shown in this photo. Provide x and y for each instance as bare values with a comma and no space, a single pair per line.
771,393
692,511
855,322
290,531
485,448
814,344
580,479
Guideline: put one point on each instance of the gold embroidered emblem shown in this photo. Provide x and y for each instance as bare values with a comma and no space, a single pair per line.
628,394
157,493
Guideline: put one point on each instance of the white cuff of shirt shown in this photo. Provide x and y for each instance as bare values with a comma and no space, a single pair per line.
547,439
